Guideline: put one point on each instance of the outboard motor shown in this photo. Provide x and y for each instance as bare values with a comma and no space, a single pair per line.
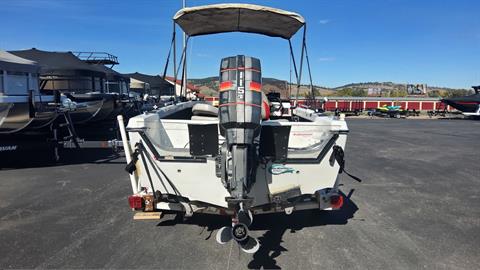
240,113
240,116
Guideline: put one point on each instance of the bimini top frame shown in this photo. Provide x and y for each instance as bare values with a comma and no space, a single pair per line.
224,18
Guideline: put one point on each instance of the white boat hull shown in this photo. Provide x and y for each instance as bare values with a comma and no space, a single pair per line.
306,173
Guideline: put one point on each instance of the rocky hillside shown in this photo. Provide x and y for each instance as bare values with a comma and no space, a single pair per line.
209,87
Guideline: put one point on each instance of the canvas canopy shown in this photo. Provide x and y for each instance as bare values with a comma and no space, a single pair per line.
59,63
221,18
10,62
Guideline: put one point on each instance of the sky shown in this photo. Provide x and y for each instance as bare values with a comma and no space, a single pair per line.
436,42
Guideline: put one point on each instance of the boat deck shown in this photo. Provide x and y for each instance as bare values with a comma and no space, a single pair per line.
419,206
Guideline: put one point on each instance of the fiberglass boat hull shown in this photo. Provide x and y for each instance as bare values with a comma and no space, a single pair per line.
468,104
307,170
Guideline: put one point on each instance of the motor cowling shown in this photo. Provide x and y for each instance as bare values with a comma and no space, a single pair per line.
240,100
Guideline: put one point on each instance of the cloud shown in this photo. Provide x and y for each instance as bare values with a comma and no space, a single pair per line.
324,21
326,59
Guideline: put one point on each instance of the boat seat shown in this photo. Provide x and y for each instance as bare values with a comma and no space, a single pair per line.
204,109
200,117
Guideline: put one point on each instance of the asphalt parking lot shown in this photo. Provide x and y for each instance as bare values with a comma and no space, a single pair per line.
418,207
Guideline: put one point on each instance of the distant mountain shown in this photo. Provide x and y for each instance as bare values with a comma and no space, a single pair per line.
396,90
209,81
209,87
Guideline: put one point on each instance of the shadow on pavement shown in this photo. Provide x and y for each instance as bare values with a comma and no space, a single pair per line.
275,225
36,159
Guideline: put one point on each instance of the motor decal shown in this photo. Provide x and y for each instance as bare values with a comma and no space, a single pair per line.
277,169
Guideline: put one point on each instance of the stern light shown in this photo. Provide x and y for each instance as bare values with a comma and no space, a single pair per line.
135,202
336,201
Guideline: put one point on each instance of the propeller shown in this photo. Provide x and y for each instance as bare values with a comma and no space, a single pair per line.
251,245
224,235
239,232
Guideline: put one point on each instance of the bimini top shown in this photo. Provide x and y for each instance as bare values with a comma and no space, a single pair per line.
10,62
59,63
221,18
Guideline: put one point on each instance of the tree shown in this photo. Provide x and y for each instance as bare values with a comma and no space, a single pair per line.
459,93
398,93
209,92
358,92
347,92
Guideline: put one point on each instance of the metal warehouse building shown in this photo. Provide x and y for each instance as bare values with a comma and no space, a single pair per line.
369,103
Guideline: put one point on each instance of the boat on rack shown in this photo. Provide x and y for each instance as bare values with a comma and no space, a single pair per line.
235,160
22,106
80,82
468,105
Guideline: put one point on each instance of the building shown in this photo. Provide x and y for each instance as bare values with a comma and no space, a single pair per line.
192,91
370,103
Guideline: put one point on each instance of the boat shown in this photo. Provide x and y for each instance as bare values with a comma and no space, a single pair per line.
235,160
151,88
392,111
389,108
115,84
468,105
78,81
22,106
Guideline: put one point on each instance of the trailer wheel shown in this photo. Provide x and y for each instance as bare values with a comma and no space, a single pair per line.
397,115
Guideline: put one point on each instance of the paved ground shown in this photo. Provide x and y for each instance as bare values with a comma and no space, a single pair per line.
419,207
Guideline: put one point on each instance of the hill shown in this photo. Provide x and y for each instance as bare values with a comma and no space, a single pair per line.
209,87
